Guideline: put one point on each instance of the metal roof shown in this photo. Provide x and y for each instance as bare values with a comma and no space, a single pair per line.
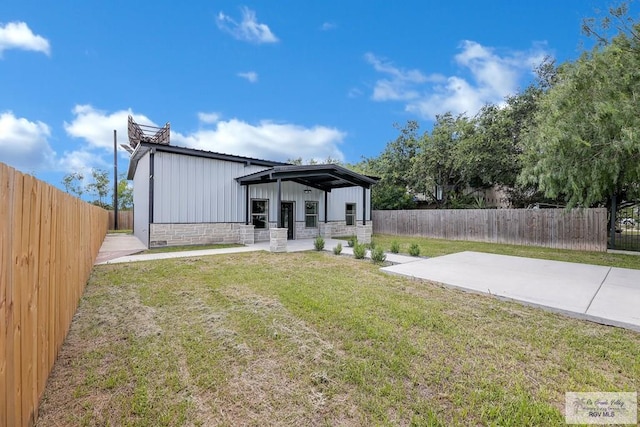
323,177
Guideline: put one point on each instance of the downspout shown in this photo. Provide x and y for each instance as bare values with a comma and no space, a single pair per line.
325,206
246,208
279,205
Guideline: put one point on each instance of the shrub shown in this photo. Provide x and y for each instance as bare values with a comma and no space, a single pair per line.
414,249
395,247
352,242
318,243
377,255
359,250
372,245
337,250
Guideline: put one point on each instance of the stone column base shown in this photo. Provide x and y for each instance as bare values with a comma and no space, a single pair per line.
278,239
245,234
326,230
364,233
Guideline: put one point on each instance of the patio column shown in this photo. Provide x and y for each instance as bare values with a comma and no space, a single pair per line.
246,208
364,206
279,205
325,206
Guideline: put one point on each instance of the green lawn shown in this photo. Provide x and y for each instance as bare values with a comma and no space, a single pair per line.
437,247
316,339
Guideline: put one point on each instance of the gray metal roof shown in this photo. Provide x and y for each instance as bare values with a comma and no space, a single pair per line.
323,177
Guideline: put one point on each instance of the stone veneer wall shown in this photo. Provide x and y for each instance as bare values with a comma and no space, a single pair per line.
193,234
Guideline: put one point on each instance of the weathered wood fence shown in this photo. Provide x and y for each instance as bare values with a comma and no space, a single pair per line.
48,243
581,229
125,220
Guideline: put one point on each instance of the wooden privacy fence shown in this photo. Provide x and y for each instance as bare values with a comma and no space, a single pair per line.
48,243
582,229
125,220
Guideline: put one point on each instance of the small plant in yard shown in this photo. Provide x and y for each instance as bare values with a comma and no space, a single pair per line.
377,255
337,250
359,250
395,247
372,245
414,249
352,242
318,243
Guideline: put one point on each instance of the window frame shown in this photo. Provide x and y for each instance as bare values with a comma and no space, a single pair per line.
353,215
265,214
312,215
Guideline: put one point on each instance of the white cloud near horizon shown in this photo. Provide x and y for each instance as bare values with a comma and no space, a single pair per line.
327,26
24,144
208,118
249,29
265,140
18,35
250,76
491,77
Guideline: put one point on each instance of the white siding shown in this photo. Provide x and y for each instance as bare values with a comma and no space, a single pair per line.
338,199
141,200
190,189
294,192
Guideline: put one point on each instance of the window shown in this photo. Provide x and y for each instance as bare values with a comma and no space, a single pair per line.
259,213
350,214
311,214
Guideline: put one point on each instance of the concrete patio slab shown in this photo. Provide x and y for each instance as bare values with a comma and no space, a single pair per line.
116,245
603,294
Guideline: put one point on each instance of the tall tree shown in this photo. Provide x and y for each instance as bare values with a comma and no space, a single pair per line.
585,144
100,187
74,183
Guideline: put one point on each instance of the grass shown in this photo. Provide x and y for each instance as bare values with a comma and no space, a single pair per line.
438,247
120,232
254,339
191,248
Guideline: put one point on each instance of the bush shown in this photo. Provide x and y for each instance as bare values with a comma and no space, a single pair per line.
414,249
352,242
377,255
338,249
372,245
395,247
318,243
359,250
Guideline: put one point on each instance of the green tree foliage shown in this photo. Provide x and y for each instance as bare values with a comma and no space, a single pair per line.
393,167
74,183
101,188
584,145
125,193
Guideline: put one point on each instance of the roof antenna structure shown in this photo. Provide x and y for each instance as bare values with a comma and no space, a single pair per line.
146,133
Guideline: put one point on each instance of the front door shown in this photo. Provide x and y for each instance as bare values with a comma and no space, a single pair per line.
288,218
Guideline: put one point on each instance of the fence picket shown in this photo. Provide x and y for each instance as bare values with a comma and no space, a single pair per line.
48,243
581,229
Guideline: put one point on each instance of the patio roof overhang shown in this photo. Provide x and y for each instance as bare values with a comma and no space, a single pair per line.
322,177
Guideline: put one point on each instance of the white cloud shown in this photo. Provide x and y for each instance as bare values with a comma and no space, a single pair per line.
17,35
96,126
24,144
266,140
82,161
326,26
491,77
208,118
251,76
249,29
400,84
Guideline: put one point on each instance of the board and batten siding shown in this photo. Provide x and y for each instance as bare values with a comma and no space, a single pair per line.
189,189
294,192
141,200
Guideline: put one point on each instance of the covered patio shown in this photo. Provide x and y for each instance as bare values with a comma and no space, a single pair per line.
324,177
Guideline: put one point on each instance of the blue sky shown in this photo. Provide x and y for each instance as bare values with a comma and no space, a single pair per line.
264,79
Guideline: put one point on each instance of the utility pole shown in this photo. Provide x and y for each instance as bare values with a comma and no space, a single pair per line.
115,180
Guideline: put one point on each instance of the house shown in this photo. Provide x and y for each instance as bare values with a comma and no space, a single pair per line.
185,196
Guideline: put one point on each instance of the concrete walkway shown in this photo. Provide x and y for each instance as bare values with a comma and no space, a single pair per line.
607,295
